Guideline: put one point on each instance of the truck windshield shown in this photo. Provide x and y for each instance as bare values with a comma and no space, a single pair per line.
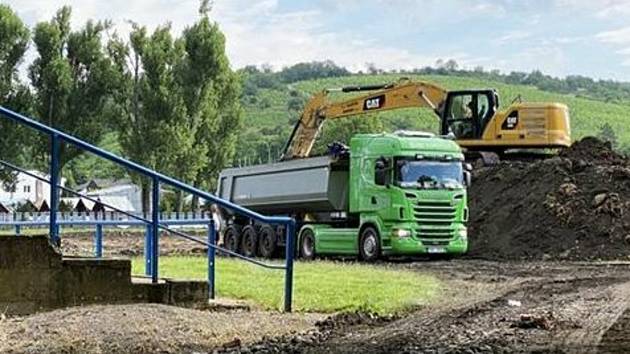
429,174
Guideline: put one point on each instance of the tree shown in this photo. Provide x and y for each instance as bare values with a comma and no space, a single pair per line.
343,130
607,133
212,91
151,108
312,70
73,79
180,95
13,94
451,65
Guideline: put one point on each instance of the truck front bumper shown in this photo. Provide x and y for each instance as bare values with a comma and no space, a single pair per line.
411,245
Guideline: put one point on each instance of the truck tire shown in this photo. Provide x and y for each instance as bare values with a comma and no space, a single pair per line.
369,245
307,245
249,242
232,238
267,242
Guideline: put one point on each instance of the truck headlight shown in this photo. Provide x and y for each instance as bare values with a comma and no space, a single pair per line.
463,234
401,233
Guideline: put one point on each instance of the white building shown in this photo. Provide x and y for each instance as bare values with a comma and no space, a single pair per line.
28,188
121,194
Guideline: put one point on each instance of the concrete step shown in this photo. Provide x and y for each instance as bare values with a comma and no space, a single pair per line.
185,293
35,277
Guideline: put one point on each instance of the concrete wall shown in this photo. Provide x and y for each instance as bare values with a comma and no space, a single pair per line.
34,277
30,271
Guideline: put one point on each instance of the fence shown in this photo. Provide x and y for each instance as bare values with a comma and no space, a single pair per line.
154,222
99,235
96,215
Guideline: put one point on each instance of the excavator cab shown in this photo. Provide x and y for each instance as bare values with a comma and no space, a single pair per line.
467,113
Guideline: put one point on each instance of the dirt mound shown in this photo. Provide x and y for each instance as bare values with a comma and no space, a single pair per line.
575,206
130,243
144,328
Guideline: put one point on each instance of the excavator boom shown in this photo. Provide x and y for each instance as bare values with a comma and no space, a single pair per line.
401,94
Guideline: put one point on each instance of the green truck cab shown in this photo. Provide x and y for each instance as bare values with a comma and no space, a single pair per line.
409,195
400,194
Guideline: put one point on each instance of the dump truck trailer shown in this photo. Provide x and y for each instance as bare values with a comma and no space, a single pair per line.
388,195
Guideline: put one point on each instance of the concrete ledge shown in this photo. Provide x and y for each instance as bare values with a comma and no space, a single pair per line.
35,277
229,305
184,293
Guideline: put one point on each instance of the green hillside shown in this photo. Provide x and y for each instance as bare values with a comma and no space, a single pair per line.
270,112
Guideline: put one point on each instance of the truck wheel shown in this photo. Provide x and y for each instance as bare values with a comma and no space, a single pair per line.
250,241
267,241
369,245
307,245
232,238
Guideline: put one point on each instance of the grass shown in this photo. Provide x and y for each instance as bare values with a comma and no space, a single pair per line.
321,286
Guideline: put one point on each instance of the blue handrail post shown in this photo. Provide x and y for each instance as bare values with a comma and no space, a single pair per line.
98,241
155,229
288,275
211,259
54,187
148,247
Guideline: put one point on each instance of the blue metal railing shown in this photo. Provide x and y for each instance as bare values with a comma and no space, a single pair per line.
57,137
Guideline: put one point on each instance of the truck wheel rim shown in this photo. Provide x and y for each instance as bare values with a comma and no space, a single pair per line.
249,245
369,245
266,242
308,247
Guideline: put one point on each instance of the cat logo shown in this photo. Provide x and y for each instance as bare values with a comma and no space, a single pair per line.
374,102
511,121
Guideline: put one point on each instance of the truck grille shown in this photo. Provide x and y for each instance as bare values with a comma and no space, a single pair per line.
434,219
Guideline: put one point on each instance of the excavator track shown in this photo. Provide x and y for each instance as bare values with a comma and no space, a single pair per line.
491,158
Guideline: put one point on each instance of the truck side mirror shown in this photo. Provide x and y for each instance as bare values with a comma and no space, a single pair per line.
381,170
467,178
468,167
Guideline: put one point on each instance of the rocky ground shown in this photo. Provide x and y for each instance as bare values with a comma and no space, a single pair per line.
525,308
129,243
143,328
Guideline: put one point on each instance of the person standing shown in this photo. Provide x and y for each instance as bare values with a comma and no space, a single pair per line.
219,223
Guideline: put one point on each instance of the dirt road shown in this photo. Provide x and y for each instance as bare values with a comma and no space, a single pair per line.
492,308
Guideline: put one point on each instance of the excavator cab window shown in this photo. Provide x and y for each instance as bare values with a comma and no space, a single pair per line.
467,113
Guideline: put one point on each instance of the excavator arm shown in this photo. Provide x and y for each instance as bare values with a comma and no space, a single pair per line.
318,109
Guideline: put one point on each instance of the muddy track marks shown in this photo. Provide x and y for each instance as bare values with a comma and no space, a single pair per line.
525,308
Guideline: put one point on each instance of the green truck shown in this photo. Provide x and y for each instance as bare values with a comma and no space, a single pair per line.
387,195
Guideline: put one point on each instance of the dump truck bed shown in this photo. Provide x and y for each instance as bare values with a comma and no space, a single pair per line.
316,184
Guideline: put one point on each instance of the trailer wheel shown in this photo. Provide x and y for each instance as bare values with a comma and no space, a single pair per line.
267,241
232,238
307,245
369,245
250,241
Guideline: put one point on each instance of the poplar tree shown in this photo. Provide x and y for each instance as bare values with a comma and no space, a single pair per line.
179,102
73,79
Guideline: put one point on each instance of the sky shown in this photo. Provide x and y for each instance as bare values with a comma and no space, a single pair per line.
558,37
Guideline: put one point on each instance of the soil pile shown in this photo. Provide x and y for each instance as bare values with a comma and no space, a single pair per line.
130,243
575,206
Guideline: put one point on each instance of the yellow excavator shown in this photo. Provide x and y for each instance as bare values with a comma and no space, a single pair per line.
471,117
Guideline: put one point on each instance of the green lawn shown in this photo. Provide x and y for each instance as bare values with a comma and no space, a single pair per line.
321,286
